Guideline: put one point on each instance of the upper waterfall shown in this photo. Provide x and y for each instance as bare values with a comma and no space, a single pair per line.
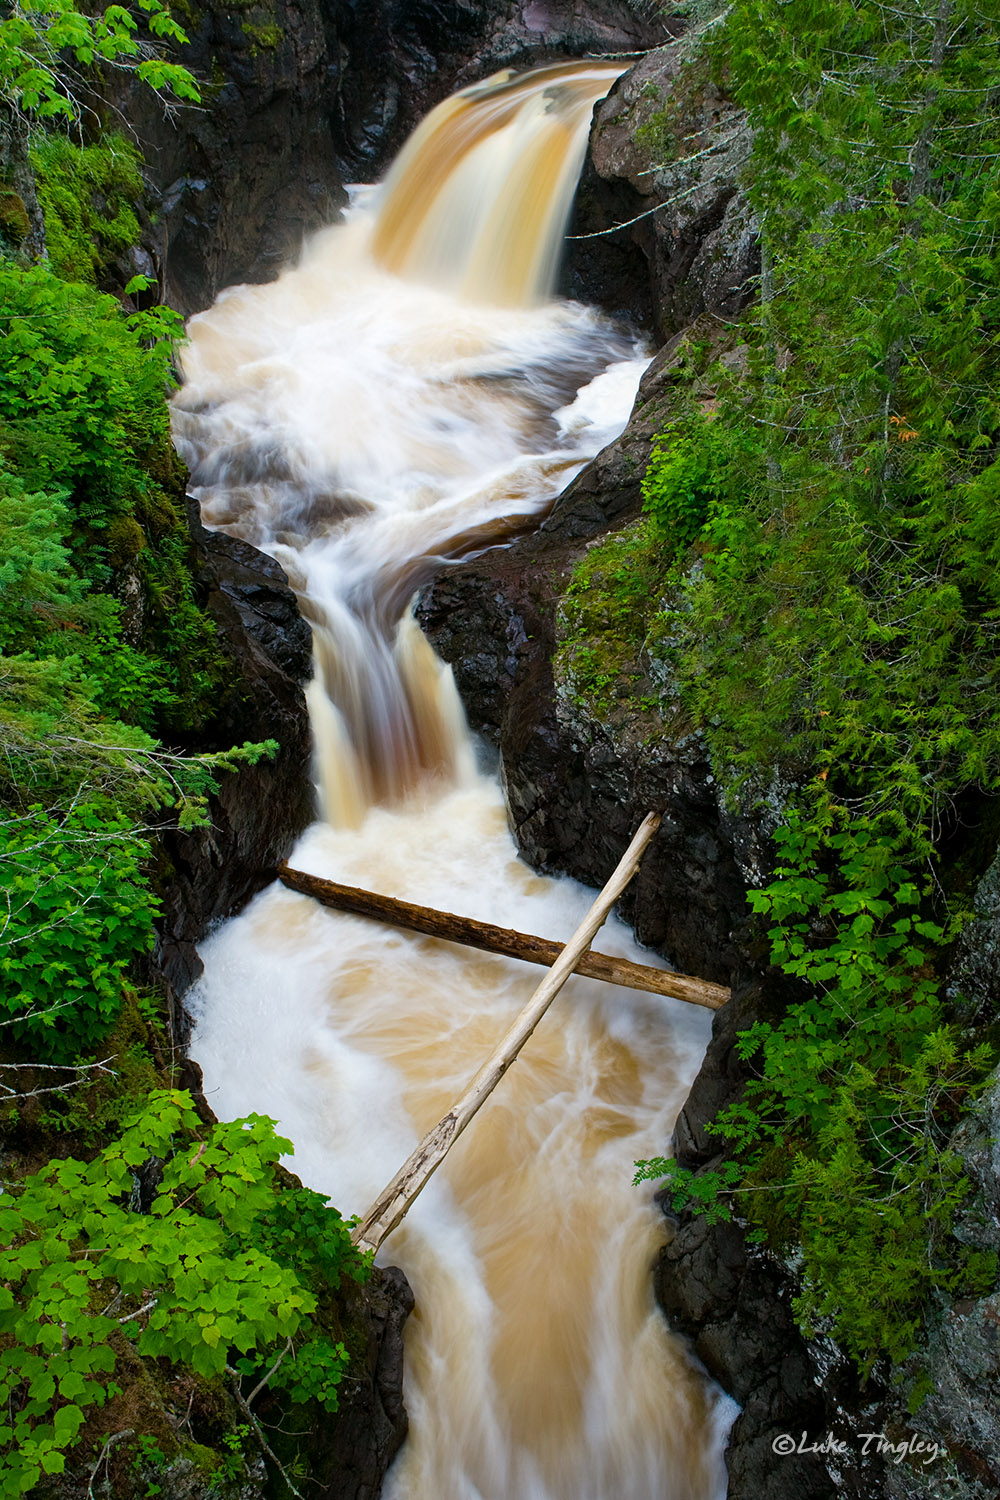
479,197
383,406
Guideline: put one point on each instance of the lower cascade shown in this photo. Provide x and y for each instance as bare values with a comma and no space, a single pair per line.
406,394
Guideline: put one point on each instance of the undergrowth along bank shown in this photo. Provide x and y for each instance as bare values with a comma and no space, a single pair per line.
823,525
166,1284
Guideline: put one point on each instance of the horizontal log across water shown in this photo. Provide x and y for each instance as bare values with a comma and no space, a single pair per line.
502,940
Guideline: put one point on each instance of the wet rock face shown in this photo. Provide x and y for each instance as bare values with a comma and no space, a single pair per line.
733,1300
577,789
237,181
258,812
301,96
666,153
352,1454
974,980
22,225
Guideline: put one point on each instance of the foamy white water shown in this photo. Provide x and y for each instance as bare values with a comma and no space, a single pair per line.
360,427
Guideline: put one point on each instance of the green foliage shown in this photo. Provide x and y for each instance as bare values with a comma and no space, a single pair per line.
300,1229
314,1373
233,1463
185,1280
38,590
88,489
845,917
865,1194
179,1243
78,912
840,1145
849,612
89,1105
694,464
842,627
88,195
81,395
84,446
39,37
603,613
704,1192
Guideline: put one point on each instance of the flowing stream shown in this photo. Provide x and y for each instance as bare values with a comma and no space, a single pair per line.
409,392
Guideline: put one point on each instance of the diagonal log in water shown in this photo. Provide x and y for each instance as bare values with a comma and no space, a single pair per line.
392,1204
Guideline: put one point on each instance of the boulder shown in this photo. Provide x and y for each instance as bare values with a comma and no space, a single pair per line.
663,231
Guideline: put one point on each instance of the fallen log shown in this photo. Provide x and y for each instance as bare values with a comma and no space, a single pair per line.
394,1201
503,940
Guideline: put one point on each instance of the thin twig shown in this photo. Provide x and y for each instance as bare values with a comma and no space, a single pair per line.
234,1374
288,1349
146,1307
116,1437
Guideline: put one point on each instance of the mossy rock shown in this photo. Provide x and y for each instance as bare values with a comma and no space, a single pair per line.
15,226
263,38
125,541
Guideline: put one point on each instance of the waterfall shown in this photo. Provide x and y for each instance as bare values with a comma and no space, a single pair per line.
478,199
407,393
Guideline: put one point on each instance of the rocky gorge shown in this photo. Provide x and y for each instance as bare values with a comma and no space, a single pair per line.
683,267
301,99
685,263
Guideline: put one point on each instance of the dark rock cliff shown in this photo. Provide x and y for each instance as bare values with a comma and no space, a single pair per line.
258,812
22,225
573,785
662,231
350,1456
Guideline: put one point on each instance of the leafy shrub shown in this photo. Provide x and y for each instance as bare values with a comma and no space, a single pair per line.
79,911
81,394
38,38
39,592
182,1277
688,469
89,487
